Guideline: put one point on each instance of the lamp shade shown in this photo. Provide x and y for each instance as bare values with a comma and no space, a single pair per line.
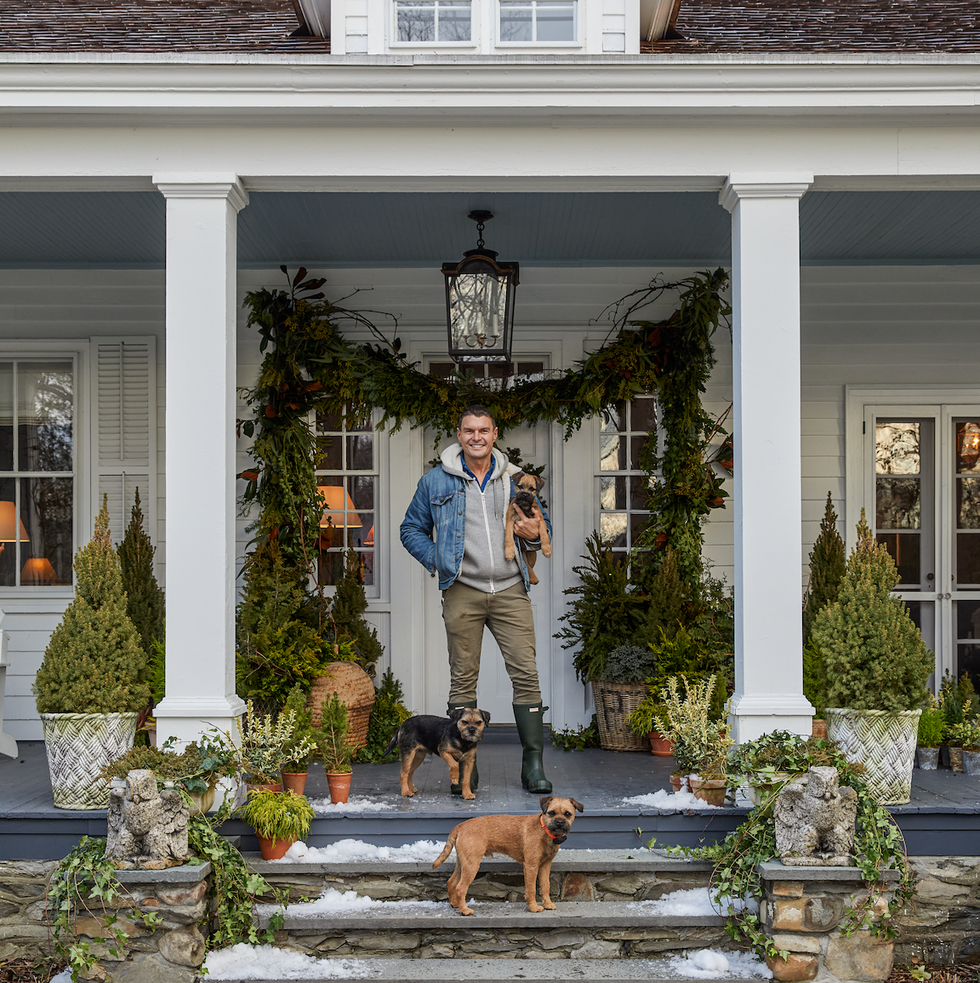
9,522
339,512
38,572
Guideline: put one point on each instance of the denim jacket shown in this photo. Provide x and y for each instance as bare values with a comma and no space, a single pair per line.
439,505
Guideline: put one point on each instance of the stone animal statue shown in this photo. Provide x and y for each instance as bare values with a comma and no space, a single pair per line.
815,821
147,827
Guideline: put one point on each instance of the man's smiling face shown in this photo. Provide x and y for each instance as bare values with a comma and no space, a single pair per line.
476,435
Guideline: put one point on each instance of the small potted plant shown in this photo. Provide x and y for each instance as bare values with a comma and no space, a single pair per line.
279,819
967,737
932,727
333,747
264,742
700,743
618,692
301,746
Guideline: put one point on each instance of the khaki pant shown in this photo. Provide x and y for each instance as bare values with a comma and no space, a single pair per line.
466,611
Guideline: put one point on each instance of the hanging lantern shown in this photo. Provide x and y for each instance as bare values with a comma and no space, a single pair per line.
480,302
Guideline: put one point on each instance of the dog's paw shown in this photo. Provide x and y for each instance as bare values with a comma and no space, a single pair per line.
463,910
535,907
508,551
550,905
467,794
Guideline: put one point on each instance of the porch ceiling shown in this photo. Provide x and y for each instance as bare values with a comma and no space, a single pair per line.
126,229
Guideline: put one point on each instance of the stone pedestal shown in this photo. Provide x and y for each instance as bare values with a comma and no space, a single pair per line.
802,912
173,950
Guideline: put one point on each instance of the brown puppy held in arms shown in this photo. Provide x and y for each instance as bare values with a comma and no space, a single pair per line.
453,738
528,486
530,840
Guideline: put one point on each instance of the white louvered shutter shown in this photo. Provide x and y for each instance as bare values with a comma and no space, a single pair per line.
124,428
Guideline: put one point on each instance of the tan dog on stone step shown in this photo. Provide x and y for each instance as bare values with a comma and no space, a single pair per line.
530,840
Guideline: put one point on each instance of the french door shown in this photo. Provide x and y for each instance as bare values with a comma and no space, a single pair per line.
920,486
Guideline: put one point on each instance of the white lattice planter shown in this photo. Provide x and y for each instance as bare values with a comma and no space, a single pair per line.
884,742
79,746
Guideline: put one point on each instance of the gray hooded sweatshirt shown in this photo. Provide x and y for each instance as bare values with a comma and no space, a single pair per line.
484,565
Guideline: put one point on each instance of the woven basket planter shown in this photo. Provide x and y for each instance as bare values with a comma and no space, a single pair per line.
79,746
613,703
353,686
884,742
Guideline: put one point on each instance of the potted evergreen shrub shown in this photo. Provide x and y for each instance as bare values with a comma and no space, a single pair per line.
928,738
267,744
279,819
967,737
90,687
302,744
876,667
618,692
334,747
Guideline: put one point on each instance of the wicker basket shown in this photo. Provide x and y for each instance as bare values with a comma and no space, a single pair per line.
353,686
613,703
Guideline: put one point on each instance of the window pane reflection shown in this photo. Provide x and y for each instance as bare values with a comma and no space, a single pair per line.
905,549
967,559
968,448
897,448
44,416
968,503
612,529
897,503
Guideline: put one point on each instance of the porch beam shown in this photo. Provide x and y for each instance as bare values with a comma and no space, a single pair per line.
766,395
202,218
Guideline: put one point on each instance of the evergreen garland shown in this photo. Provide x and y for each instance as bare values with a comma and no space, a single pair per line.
94,662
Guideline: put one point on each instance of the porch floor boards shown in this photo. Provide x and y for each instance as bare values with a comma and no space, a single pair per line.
942,818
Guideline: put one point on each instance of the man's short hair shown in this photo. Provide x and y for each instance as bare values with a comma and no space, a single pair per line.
476,410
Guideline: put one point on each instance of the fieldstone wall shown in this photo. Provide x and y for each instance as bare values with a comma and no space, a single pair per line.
24,930
942,924
803,908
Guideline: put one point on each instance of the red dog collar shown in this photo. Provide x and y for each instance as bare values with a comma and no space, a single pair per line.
557,839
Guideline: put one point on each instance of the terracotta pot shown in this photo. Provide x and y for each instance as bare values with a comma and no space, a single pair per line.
273,849
264,787
710,790
339,783
661,746
818,727
678,783
295,781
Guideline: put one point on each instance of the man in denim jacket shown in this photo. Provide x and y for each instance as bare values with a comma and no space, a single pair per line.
464,501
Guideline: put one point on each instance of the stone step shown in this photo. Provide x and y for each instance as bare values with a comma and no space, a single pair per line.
434,930
576,875
523,970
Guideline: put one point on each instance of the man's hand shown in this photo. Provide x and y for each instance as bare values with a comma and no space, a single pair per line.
528,528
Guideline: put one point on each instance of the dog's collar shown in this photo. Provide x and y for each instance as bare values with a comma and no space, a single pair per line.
557,839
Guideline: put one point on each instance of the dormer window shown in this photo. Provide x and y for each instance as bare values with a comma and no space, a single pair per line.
537,21
433,21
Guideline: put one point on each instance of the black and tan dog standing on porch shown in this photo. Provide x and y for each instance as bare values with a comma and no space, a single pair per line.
453,738
464,503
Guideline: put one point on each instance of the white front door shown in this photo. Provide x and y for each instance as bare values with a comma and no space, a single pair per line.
495,693
921,491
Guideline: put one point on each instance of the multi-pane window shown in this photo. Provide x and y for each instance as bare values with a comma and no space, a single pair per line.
37,472
537,20
624,487
347,478
437,21
899,488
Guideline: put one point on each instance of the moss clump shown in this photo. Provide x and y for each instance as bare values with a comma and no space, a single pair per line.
874,656
94,662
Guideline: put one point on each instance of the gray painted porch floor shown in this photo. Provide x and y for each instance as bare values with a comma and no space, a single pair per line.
943,816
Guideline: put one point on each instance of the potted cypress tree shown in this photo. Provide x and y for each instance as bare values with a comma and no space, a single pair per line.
90,687
876,666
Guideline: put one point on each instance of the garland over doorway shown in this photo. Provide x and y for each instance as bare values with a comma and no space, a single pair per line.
309,366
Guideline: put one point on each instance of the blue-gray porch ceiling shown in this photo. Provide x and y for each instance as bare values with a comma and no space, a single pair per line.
126,229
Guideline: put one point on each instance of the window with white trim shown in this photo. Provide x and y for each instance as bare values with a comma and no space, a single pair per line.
538,21
347,478
624,487
37,471
433,21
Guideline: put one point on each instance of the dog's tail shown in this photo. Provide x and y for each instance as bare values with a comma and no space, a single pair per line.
446,850
393,743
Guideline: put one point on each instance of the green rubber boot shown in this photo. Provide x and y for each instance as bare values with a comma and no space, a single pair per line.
530,727
475,775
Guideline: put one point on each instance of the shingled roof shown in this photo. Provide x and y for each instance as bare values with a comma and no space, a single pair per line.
705,26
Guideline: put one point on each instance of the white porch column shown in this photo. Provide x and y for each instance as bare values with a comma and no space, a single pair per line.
202,254
768,515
